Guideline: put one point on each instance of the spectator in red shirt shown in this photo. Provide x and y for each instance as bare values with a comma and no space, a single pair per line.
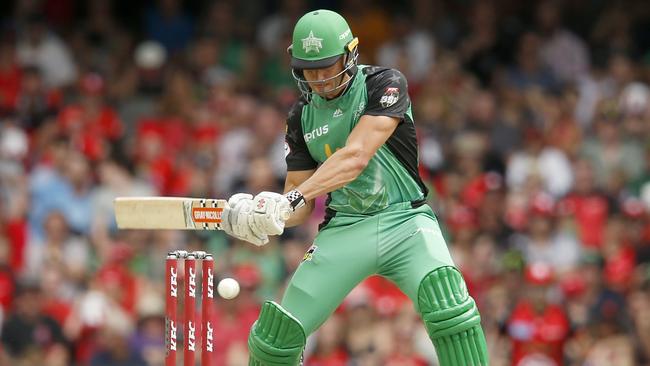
117,280
7,281
164,139
13,229
620,256
92,125
386,298
35,103
537,327
587,206
10,75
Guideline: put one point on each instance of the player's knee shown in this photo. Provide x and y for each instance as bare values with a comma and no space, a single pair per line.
445,304
276,338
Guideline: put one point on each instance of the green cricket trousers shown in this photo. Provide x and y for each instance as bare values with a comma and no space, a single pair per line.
401,243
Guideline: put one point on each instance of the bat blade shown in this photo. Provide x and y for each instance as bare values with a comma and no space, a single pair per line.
176,213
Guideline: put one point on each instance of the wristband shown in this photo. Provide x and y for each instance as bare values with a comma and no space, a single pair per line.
296,199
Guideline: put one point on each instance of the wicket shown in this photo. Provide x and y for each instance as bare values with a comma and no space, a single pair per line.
188,323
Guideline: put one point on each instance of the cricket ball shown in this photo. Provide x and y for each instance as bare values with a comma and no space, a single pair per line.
228,288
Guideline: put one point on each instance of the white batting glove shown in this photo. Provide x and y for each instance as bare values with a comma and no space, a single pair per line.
237,220
270,212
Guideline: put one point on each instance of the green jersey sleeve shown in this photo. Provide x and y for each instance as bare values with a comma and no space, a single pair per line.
387,93
296,152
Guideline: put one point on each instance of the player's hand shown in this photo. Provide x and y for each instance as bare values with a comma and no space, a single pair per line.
238,219
270,212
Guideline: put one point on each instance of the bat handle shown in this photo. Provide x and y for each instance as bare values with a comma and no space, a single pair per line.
285,214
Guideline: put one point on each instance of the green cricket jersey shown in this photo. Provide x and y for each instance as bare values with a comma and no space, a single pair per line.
316,129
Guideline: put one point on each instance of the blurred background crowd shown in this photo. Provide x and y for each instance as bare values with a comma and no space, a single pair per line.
533,119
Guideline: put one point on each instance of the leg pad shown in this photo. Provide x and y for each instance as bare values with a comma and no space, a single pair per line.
276,338
452,319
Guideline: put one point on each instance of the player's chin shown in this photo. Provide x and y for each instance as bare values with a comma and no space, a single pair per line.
324,92
330,93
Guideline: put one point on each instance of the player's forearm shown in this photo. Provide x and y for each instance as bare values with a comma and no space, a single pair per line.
300,215
341,168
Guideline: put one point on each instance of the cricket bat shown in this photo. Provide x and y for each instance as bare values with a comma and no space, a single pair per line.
169,213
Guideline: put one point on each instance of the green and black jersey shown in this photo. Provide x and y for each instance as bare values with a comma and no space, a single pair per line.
316,129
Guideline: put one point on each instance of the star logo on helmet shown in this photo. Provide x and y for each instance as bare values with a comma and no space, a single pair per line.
312,43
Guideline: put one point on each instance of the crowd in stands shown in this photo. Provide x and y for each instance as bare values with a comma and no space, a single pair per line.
533,123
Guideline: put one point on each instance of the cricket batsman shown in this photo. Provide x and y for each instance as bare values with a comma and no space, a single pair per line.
352,136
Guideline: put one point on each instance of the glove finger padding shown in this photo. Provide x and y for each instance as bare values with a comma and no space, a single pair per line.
235,198
244,223
229,217
270,212
262,223
239,217
256,226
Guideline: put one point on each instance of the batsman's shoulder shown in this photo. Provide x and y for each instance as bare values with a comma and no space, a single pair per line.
372,70
379,76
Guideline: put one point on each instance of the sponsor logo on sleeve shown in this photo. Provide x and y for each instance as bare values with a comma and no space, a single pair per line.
390,97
